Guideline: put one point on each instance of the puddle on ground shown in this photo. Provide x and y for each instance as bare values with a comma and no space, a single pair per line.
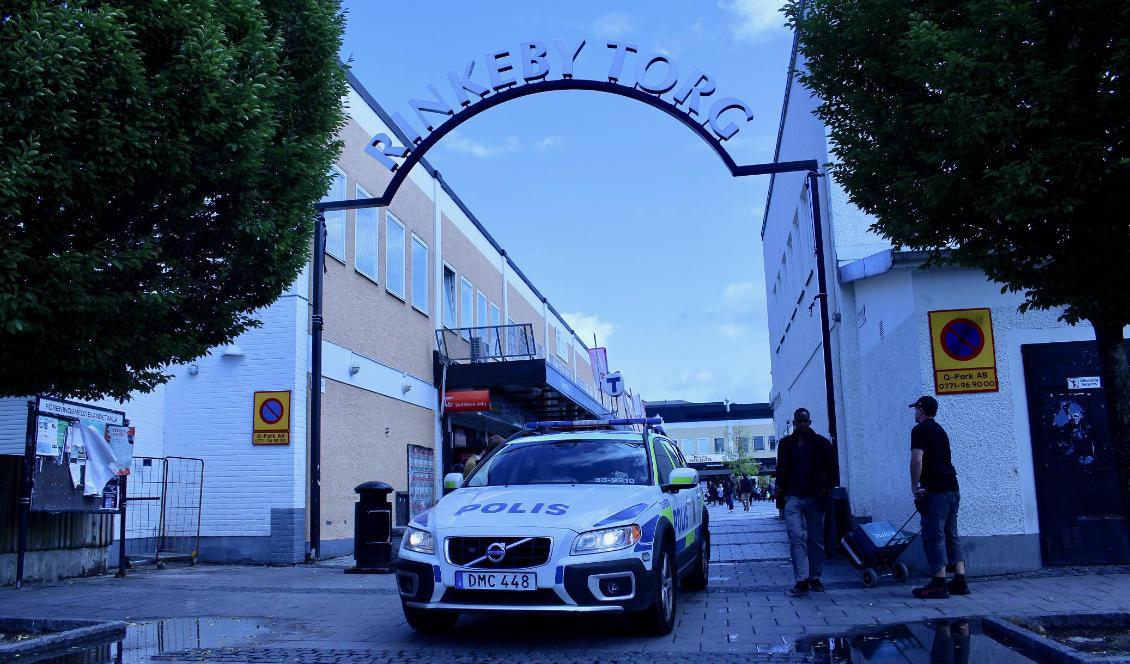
146,639
959,641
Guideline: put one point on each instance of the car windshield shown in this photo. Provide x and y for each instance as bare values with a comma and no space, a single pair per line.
577,461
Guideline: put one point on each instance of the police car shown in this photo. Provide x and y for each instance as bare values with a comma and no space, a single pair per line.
575,517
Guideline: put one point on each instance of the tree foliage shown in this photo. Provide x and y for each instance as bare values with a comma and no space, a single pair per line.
737,455
994,134
159,162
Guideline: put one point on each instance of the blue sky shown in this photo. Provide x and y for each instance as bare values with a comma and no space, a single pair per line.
625,219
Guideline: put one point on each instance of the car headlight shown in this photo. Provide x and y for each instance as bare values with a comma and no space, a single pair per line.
418,540
607,539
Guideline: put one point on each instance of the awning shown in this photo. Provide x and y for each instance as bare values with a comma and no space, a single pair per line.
540,389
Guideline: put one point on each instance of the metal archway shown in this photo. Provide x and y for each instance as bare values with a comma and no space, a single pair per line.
416,154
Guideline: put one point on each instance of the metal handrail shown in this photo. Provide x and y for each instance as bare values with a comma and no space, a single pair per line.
487,343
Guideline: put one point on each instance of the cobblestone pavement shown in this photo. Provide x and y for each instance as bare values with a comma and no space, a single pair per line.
315,613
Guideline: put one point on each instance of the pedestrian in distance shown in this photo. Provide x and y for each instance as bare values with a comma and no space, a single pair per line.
728,491
806,473
718,491
933,482
473,460
745,491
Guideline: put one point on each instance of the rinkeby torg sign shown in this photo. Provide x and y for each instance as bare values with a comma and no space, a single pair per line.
691,96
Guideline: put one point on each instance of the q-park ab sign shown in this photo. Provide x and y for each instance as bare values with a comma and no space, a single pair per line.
961,342
271,418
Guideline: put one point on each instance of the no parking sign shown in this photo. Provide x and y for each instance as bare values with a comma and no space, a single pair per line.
961,341
271,418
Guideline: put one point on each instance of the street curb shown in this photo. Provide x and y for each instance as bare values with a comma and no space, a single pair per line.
1046,649
59,636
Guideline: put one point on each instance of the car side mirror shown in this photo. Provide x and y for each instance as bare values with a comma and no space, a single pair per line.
681,478
451,482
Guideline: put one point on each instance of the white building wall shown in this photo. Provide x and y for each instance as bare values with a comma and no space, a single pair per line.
210,416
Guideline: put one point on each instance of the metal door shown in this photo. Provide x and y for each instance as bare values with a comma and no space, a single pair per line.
1080,511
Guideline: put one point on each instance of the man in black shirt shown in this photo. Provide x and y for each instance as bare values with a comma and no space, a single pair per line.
933,482
806,472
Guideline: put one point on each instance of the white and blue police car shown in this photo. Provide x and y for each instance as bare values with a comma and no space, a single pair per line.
575,517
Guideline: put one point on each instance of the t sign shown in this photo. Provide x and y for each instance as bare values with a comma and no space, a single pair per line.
613,384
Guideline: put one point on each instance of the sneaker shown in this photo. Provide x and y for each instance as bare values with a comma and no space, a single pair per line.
800,589
815,585
958,587
932,591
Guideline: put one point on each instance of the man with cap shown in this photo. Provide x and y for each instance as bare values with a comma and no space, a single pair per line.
806,472
933,481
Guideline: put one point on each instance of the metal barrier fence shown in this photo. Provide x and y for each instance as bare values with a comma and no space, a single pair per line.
163,509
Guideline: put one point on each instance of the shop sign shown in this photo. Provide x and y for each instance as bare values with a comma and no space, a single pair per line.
462,401
271,418
961,343
687,93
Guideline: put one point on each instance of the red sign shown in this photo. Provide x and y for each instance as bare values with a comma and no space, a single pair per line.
466,400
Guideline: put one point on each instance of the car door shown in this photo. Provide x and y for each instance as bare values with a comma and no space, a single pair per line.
694,497
683,504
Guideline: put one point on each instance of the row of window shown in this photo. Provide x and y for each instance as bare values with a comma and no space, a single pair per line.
718,445
367,242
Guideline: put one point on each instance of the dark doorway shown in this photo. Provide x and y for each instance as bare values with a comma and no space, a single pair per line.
1081,518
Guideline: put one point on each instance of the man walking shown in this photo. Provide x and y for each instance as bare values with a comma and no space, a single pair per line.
745,488
933,481
806,472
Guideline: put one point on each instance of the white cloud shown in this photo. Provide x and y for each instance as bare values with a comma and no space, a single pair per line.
754,19
733,331
463,144
585,325
613,25
743,297
549,143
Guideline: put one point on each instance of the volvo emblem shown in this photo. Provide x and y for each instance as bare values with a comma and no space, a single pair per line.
496,552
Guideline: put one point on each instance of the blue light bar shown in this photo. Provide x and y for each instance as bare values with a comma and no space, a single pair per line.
590,424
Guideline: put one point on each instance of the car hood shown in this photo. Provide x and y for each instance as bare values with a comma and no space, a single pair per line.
576,507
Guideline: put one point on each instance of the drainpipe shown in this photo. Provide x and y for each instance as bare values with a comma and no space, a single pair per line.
438,312
825,324
316,324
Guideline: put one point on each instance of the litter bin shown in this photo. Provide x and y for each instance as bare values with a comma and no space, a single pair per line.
372,530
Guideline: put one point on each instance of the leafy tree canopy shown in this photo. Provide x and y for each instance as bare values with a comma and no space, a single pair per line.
159,162
994,129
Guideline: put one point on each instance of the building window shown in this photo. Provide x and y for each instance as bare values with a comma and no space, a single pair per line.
495,322
759,443
481,310
394,255
466,307
562,343
419,274
448,297
703,446
772,442
687,446
743,444
719,445
335,219
365,239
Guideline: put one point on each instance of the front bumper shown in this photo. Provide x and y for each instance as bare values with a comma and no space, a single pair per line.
562,588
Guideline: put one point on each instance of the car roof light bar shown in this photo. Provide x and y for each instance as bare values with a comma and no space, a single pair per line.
595,424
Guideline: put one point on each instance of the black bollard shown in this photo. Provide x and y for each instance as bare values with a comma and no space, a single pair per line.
372,530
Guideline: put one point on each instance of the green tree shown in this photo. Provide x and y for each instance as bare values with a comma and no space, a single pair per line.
159,162
737,452
993,134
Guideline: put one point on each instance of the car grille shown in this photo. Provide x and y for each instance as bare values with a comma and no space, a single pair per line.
532,553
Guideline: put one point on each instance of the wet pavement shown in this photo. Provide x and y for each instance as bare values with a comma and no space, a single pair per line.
315,613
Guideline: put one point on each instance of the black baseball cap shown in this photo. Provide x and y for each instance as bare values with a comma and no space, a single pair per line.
928,404
802,415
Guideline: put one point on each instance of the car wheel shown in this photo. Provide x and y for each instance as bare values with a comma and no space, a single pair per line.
659,618
698,579
429,620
